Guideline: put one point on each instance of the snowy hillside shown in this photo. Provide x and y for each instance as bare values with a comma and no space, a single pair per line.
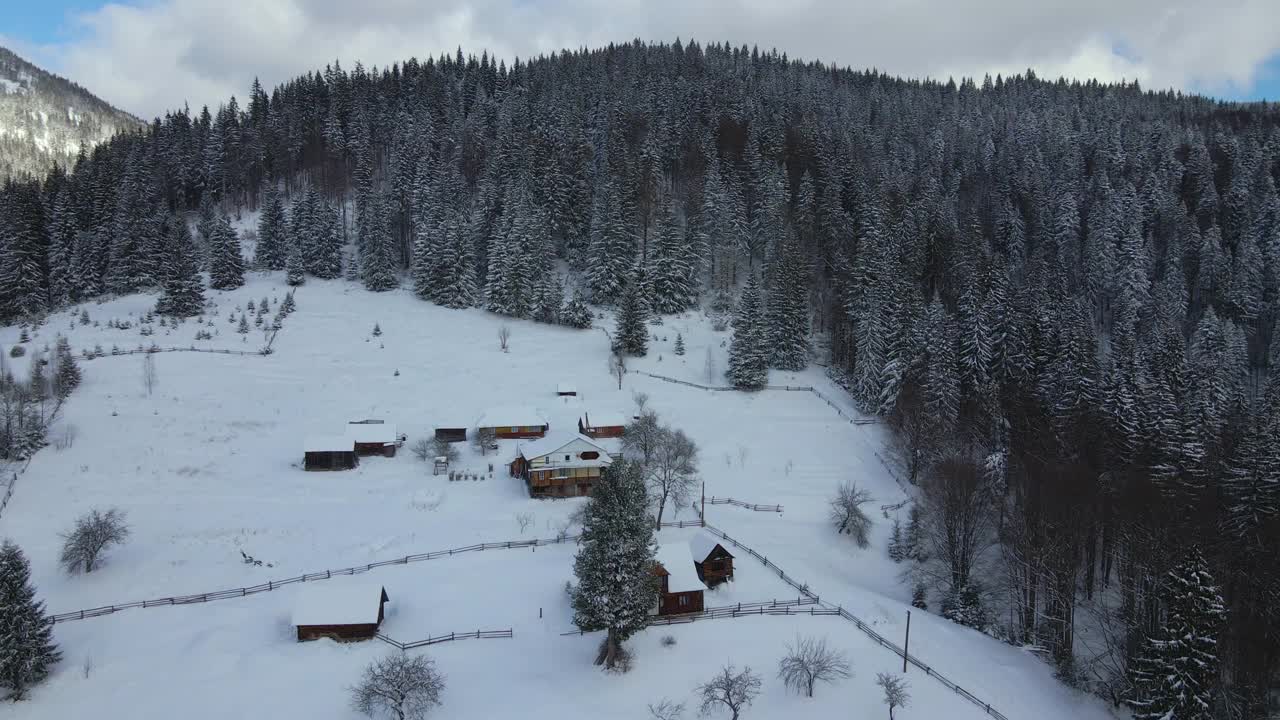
207,466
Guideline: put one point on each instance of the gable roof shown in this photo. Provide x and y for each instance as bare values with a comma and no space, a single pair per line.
683,576
603,419
328,443
511,416
556,441
702,544
565,387
339,604
364,432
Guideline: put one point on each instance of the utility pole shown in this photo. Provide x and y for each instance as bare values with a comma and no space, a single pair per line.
703,514
906,644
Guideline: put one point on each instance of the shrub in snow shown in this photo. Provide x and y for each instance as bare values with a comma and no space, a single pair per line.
377,330
84,317
17,351
963,604
404,687
93,533
920,597
668,640
666,710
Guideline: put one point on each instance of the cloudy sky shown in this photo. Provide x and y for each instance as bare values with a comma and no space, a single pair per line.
150,55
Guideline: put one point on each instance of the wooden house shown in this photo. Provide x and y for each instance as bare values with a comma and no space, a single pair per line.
713,563
681,590
565,389
343,612
602,424
374,437
564,465
513,422
329,453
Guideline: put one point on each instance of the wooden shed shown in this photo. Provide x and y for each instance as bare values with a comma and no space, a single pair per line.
681,590
596,424
513,422
343,612
374,437
329,453
452,433
562,465
713,563
565,389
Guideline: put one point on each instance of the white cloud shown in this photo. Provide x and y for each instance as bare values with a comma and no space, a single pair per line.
156,56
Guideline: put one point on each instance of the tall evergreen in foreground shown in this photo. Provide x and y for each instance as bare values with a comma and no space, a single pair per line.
27,651
273,240
748,359
183,289
226,264
631,335
377,267
787,314
616,587
1176,672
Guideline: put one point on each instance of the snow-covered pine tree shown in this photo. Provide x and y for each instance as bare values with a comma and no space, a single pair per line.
616,588
273,241
670,268
787,314
377,264
226,264
679,348
748,360
631,334
27,651
62,241
611,253
183,289
67,376
295,271
575,312
1176,672
549,298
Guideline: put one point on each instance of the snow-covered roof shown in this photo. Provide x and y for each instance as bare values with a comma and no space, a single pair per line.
328,443
511,416
684,576
701,546
565,388
372,432
606,418
556,441
339,604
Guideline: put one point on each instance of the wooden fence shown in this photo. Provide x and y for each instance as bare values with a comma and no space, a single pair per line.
8,492
747,505
772,607
90,355
682,524
271,585
477,634
787,388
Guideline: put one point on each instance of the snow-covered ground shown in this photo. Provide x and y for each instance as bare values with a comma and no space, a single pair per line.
208,465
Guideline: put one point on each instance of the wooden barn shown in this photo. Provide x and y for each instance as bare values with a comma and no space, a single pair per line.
602,424
342,612
681,590
452,433
565,389
374,437
563,465
329,453
713,563
513,422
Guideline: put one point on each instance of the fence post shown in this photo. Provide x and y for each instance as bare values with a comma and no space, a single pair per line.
906,644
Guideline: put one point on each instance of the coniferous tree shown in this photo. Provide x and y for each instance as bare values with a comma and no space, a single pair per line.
295,272
183,289
27,651
631,335
748,359
377,267
62,242
575,312
679,347
787,314
273,240
67,377
617,588
670,267
226,264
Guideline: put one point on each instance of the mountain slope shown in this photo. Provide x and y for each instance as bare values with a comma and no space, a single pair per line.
46,119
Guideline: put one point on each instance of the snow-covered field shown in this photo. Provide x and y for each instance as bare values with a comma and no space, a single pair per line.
208,465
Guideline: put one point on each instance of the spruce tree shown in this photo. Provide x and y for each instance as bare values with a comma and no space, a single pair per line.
1176,672
295,271
67,376
670,270
273,240
631,335
183,289
226,264
617,587
748,364
787,320
679,348
575,312
27,651
377,265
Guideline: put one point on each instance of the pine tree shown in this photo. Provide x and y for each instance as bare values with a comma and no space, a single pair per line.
62,242
679,348
295,272
273,241
226,264
670,268
611,254
787,315
1176,672
27,651
748,364
617,588
575,312
377,265
631,335
67,376
183,289
243,327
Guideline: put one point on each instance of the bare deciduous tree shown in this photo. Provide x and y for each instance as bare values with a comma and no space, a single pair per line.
809,661
504,336
847,514
895,691
618,367
641,399
642,437
733,690
709,367
958,512
149,379
443,448
524,520
672,471
422,449
405,687
93,533
482,439
666,710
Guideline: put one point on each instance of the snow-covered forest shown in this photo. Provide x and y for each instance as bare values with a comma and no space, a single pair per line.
1061,297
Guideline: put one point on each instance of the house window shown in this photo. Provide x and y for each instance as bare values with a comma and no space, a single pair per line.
684,600
588,455
566,458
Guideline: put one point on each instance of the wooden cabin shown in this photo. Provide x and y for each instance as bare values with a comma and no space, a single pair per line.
602,424
343,612
681,590
374,437
329,453
713,563
564,465
565,389
452,433
513,422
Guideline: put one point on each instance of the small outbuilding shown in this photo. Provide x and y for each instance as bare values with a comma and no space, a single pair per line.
322,452
565,389
681,590
513,422
561,465
713,563
452,433
345,613
602,424
374,437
